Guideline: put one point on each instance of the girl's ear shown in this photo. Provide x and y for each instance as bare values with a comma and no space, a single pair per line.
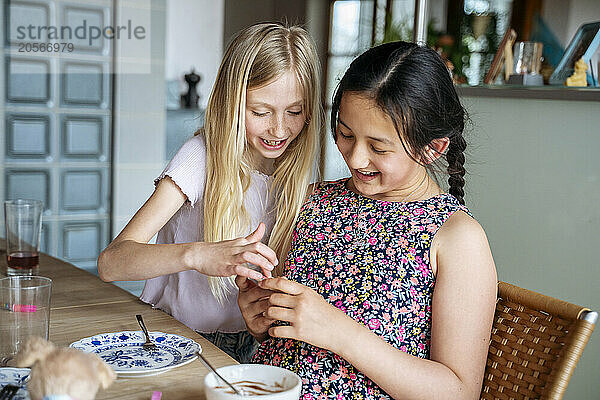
435,149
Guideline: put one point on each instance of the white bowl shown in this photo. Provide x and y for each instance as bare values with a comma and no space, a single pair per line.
291,383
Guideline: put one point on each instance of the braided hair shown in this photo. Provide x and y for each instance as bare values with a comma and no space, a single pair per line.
456,167
413,86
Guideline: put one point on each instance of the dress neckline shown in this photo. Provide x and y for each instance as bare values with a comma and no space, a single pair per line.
261,174
358,196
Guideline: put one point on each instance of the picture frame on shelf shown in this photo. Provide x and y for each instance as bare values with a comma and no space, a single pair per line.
583,45
503,55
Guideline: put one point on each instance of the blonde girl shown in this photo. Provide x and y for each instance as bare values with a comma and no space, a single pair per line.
230,196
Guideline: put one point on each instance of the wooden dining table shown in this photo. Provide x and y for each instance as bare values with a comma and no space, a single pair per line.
82,305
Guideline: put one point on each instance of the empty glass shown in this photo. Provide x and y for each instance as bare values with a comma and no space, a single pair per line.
528,57
24,312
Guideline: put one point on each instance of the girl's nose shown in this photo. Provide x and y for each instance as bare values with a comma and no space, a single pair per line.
358,158
278,130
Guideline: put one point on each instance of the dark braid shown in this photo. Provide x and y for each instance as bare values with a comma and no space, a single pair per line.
456,169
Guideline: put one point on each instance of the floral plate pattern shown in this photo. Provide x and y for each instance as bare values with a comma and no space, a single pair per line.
18,377
123,351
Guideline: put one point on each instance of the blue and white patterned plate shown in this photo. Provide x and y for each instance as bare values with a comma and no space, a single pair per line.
17,377
124,353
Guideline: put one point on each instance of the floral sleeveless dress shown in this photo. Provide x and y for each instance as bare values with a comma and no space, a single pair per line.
370,259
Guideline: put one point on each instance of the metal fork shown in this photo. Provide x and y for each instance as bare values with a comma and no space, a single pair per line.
8,392
148,345
5,360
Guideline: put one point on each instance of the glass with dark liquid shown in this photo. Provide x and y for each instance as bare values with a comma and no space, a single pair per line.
23,262
23,222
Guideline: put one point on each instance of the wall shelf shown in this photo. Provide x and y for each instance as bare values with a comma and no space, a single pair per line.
531,92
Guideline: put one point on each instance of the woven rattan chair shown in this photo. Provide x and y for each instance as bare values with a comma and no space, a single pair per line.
536,343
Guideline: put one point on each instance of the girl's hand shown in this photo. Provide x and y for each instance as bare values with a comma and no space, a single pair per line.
231,257
253,302
312,319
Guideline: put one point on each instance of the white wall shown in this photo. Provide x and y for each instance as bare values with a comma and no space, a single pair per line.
184,33
194,38
240,14
582,11
533,183
139,123
139,120
556,15
565,16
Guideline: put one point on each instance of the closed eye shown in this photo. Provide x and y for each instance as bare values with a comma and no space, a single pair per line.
344,136
378,151
259,114
295,112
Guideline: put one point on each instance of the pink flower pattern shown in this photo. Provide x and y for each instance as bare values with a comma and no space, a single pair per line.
383,282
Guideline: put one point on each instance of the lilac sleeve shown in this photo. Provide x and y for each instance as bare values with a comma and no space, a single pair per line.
188,169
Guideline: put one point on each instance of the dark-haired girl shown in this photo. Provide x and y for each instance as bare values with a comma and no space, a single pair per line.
389,288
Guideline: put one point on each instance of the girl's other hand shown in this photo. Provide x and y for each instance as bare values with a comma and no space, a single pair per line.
253,302
312,319
231,257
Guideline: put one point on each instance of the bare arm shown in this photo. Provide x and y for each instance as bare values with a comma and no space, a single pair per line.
130,257
462,314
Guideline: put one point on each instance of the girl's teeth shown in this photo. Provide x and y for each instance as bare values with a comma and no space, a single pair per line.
272,142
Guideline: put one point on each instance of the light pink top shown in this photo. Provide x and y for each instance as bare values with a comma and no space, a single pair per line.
186,295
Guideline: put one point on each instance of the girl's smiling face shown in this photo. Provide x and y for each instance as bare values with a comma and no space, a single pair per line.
381,168
274,116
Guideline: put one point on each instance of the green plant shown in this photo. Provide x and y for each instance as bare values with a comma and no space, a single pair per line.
456,50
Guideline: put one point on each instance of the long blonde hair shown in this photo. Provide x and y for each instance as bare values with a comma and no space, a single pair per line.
256,56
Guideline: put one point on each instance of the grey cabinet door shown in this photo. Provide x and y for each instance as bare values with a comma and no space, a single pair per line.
55,122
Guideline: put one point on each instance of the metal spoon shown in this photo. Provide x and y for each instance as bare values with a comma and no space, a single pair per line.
207,364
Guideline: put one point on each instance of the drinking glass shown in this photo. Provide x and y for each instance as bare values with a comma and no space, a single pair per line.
528,57
24,312
23,222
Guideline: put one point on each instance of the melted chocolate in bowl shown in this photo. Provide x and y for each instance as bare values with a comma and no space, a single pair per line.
252,388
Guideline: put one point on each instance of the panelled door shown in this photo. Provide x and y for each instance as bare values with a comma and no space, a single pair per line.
55,121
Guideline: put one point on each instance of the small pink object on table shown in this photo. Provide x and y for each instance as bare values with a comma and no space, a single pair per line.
19,307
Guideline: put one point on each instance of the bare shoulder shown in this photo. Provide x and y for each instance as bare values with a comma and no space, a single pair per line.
461,244
167,187
460,230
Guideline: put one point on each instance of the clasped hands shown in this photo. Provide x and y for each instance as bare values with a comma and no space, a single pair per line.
311,318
